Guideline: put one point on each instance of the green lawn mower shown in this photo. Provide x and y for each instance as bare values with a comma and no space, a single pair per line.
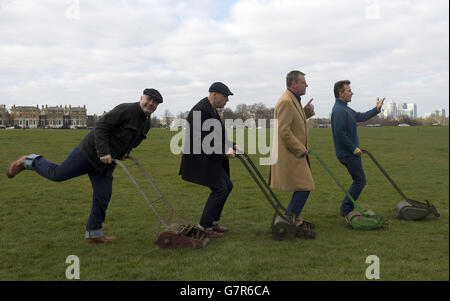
360,219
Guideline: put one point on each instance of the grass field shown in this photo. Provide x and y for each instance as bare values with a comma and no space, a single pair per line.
43,222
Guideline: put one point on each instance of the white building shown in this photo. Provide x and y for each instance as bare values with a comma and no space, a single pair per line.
392,110
413,108
440,112
436,113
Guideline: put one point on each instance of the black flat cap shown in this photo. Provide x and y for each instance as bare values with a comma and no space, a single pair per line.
154,94
220,88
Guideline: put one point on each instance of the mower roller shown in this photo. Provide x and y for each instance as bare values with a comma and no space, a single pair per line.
283,226
174,235
358,219
408,209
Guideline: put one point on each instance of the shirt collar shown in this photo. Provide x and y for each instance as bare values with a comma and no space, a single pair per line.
296,96
141,113
341,101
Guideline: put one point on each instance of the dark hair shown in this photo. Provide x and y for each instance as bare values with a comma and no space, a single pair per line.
339,87
292,77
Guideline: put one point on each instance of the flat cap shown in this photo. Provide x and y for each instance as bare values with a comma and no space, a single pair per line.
220,88
154,94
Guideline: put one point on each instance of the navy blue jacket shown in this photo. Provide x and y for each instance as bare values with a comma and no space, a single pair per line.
343,124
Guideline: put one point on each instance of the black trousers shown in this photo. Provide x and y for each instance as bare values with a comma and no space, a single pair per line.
216,200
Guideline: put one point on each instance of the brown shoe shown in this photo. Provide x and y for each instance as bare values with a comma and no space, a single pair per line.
15,167
218,228
101,240
213,234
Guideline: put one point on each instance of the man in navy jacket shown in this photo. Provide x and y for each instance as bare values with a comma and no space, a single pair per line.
345,138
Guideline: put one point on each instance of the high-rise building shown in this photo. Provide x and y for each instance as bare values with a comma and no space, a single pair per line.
435,113
440,112
392,110
413,108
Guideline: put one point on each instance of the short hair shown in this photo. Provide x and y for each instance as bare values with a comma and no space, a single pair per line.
339,87
292,77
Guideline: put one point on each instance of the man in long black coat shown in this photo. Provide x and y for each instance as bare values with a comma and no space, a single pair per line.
206,153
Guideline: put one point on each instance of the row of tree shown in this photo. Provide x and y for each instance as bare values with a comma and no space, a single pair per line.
434,120
243,111
259,111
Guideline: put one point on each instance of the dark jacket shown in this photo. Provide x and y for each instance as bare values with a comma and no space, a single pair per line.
343,124
196,165
116,133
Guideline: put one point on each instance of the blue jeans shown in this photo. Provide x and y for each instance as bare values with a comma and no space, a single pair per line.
76,165
216,201
297,202
354,167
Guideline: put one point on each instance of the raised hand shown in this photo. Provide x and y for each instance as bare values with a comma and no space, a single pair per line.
380,103
309,106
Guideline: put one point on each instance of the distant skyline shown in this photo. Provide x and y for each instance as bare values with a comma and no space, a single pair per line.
383,110
102,53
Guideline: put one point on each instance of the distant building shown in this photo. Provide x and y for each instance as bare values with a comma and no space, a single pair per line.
166,121
392,110
52,117
47,117
91,120
78,116
407,109
4,116
440,112
436,113
412,107
24,116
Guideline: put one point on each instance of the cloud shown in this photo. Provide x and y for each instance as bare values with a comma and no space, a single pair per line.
102,53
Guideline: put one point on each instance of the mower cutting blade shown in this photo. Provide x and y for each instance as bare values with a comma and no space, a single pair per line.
182,236
409,209
174,235
366,220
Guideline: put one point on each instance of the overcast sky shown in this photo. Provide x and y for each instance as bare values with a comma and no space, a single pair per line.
103,53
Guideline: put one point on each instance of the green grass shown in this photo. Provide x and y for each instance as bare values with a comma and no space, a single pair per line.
42,222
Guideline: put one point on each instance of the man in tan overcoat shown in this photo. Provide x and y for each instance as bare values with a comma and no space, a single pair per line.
292,169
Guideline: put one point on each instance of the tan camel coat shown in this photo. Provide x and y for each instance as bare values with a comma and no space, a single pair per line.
292,170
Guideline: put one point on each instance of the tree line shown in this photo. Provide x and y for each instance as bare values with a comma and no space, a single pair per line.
258,111
263,114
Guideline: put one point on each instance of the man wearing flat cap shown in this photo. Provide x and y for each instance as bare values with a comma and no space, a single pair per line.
205,160
113,137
